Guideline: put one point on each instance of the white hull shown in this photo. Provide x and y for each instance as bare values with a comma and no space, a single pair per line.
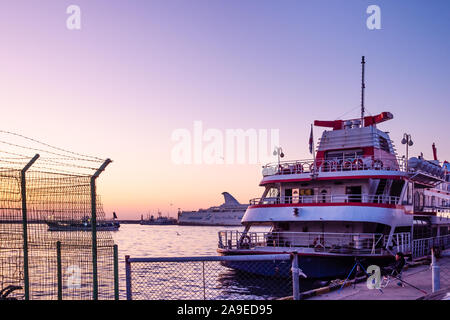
225,218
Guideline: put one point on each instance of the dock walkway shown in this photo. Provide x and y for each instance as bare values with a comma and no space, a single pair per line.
419,276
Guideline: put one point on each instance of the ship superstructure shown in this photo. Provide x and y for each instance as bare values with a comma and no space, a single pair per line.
355,199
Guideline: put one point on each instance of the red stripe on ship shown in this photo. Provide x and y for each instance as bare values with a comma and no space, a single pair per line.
329,204
334,178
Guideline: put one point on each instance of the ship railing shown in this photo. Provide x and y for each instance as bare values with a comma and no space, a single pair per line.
435,209
422,247
343,243
400,242
322,198
357,163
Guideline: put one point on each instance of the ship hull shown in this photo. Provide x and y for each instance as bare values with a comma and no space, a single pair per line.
88,228
313,266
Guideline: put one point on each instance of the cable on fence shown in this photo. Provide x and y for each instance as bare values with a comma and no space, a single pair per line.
54,197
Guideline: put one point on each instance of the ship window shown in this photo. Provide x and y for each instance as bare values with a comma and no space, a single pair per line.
288,195
273,192
353,193
306,192
343,154
384,145
396,188
323,196
402,229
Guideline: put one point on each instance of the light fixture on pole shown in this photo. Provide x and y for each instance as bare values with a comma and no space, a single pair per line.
278,152
408,142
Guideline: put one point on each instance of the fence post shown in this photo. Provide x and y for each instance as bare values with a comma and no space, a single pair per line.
94,228
204,281
59,269
116,272
435,273
295,278
128,277
23,189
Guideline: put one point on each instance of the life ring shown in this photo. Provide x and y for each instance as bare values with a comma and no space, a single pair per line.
378,164
347,165
333,166
317,243
358,164
245,241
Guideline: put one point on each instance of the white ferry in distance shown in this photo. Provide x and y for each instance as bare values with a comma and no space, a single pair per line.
355,200
229,213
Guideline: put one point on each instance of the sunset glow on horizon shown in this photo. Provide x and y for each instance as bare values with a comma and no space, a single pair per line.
137,71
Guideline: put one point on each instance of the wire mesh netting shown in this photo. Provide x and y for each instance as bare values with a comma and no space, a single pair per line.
210,280
58,202
444,272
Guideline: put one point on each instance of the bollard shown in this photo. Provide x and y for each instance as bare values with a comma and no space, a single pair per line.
435,273
295,278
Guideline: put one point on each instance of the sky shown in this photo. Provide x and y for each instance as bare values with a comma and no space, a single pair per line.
137,71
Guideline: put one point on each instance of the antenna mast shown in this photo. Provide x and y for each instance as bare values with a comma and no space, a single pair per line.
363,86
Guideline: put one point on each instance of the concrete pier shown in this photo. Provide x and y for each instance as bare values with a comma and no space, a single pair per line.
418,276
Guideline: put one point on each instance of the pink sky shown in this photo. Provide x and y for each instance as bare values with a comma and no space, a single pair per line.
138,70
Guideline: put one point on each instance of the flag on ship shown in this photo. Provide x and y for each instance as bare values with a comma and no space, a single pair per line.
311,141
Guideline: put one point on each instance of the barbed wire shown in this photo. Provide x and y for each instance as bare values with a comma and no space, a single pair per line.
51,146
56,160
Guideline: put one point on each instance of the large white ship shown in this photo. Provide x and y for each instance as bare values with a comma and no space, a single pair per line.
229,213
357,199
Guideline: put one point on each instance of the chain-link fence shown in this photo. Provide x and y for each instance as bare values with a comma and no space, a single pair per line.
444,273
53,244
212,278
440,268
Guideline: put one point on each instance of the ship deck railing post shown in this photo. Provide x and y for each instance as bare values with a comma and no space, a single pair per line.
94,228
23,189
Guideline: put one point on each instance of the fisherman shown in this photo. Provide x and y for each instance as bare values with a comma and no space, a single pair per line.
395,269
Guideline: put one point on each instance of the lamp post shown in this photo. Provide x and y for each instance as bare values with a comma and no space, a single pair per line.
408,142
278,152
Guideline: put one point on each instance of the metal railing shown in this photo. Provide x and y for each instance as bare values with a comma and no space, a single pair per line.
320,198
333,165
211,278
344,243
400,242
422,247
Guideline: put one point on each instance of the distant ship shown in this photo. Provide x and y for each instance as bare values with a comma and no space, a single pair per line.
160,220
228,214
83,225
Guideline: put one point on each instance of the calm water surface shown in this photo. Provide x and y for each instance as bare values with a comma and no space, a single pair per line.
184,281
167,241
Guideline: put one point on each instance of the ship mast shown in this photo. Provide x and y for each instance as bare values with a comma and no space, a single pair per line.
363,86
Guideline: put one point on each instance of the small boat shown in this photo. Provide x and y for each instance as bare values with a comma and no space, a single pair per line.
160,220
83,225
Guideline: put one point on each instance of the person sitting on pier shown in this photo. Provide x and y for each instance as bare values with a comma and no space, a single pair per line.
395,269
